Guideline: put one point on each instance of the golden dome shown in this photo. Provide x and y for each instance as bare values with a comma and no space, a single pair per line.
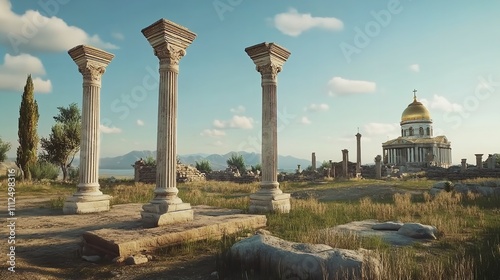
416,111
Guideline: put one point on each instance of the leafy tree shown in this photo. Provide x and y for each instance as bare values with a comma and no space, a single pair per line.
27,130
151,161
325,165
63,142
204,166
258,167
237,161
4,148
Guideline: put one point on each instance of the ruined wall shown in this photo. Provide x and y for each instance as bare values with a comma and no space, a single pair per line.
185,173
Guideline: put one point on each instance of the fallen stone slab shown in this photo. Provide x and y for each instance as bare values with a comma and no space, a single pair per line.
387,226
419,231
208,223
386,231
274,258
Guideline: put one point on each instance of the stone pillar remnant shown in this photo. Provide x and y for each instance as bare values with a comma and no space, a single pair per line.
92,63
313,161
464,165
345,163
358,154
269,59
169,41
479,161
378,167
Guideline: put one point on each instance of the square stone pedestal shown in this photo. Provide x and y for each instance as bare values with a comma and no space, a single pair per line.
80,204
155,215
266,203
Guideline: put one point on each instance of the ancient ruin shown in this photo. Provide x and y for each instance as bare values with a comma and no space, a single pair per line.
169,41
269,59
91,63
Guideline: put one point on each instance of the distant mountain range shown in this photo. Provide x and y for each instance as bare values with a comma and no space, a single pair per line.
217,162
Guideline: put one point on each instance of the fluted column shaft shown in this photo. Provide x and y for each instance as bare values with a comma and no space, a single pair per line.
89,141
269,127
166,154
358,155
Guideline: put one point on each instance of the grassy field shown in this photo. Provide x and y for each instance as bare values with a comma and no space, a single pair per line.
468,245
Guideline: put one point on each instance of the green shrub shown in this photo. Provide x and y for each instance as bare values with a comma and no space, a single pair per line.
73,174
44,170
204,166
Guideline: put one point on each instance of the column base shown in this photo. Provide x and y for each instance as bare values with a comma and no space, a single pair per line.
266,203
83,204
160,214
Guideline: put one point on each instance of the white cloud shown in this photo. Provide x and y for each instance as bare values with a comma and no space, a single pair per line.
241,122
415,68
317,107
118,36
440,103
14,71
305,120
238,110
212,133
381,128
341,86
140,122
109,130
293,23
33,31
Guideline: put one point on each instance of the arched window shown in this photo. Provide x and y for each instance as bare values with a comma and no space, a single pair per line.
411,131
421,131
428,131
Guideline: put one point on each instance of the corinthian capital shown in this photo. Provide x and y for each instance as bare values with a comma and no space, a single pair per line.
169,54
92,71
269,71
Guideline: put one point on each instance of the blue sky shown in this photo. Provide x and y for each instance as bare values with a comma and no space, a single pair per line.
352,64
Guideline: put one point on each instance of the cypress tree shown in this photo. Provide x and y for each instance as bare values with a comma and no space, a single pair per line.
27,130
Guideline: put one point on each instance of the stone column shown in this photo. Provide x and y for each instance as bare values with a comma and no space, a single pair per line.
358,154
298,169
169,41
92,63
479,161
491,161
269,59
378,167
313,161
464,165
345,163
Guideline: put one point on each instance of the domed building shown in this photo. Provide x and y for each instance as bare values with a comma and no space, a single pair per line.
416,147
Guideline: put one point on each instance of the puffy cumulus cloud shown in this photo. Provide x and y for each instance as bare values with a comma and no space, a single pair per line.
109,130
341,86
305,120
440,103
317,107
238,110
14,71
33,31
415,68
212,133
140,122
293,23
381,128
237,122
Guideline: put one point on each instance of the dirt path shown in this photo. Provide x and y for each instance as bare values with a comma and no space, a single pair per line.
48,242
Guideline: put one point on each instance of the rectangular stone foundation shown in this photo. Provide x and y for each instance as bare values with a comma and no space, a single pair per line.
208,223
265,203
85,205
